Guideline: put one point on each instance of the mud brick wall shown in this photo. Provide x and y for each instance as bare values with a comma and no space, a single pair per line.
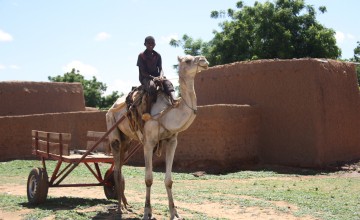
15,138
310,108
222,138
26,98
301,112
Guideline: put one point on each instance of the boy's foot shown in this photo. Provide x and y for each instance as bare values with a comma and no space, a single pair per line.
146,117
175,103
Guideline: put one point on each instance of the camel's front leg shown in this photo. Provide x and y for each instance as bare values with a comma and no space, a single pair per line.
148,154
170,146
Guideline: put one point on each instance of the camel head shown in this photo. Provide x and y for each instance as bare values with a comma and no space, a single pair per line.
191,65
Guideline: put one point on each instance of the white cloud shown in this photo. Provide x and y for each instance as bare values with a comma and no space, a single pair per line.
340,36
102,36
86,70
121,86
5,36
14,67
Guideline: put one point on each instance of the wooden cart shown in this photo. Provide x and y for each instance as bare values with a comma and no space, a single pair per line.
55,146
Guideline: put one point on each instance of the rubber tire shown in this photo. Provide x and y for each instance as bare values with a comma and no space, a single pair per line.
110,190
37,186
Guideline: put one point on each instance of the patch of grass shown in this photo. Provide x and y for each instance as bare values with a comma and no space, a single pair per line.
21,168
67,208
61,208
325,198
10,202
321,195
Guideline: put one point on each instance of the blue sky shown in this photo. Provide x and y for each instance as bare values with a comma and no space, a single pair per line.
42,38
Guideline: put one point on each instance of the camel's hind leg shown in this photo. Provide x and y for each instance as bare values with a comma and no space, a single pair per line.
114,135
119,154
170,146
118,149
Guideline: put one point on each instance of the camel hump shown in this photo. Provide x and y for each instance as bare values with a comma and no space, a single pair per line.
118,105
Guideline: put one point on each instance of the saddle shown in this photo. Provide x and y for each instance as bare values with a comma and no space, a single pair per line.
136,105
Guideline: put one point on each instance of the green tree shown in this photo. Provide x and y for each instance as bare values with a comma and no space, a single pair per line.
93,90
285,29
109,100
190,46
357,60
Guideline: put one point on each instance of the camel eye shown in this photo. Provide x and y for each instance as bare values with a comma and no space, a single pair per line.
188,61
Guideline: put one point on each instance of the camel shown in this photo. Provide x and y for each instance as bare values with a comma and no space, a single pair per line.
163,128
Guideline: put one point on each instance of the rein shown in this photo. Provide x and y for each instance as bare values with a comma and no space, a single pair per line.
192,107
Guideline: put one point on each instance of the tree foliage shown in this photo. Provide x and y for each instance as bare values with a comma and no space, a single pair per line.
93,90
191,46
357,60
285,29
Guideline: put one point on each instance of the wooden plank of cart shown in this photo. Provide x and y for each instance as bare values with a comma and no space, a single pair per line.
55,146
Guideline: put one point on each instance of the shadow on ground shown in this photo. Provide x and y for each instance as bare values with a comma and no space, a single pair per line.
109,207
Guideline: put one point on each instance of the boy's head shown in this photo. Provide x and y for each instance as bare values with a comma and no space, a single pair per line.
149,42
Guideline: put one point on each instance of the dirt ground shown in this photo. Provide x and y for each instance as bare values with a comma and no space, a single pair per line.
215,210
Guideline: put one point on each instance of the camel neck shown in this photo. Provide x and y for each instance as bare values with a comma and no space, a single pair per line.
188,93
185,112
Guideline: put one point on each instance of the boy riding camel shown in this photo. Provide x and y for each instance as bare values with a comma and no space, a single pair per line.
150,71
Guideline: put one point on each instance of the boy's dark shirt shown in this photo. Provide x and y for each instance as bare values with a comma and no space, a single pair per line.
150,63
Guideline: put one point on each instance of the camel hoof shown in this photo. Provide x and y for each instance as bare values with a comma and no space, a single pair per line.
146,117
147,214
123,209
175,215
148,217
120,210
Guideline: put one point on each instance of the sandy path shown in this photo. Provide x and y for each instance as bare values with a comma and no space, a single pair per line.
215,210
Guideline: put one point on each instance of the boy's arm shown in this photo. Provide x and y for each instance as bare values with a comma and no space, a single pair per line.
161,73
144,73
159,64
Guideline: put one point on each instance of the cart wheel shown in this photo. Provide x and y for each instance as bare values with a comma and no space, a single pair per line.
109,187
37,186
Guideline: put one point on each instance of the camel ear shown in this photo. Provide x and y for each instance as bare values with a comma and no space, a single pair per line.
180,58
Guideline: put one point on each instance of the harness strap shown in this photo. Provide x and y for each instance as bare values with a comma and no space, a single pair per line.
133,130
